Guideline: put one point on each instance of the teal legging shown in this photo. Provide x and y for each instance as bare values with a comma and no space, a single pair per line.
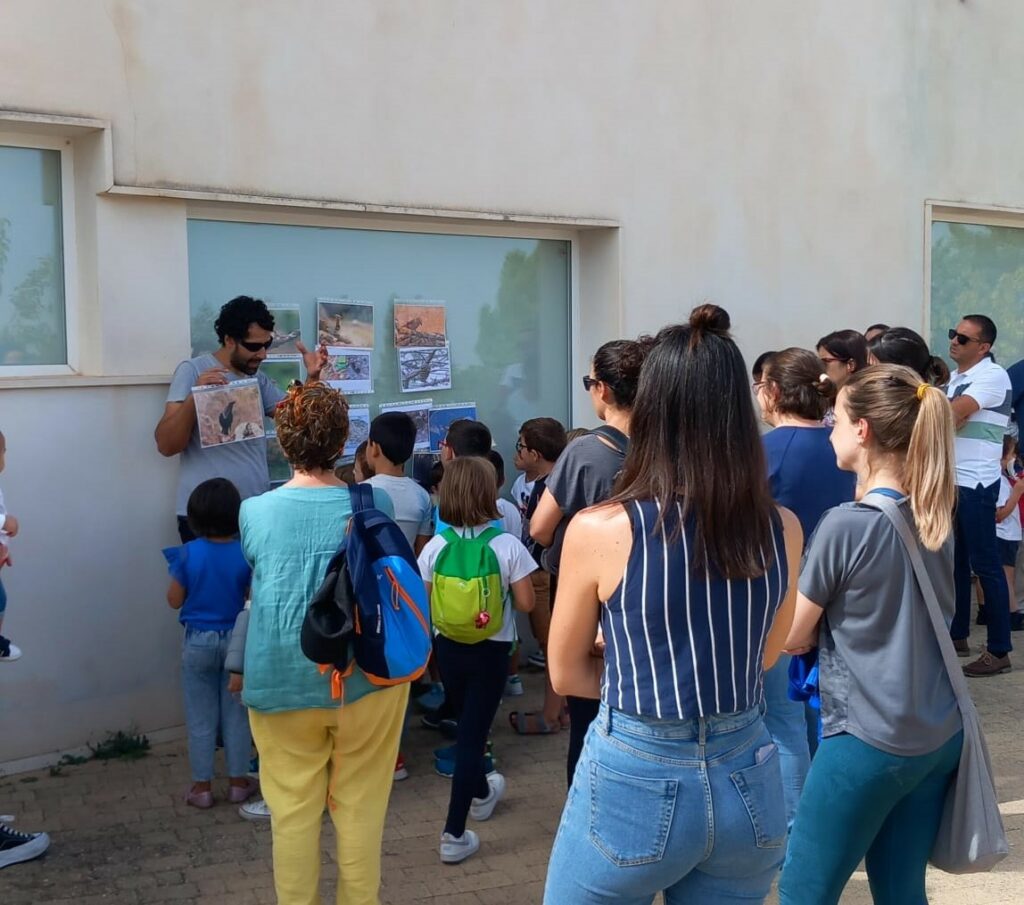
860,802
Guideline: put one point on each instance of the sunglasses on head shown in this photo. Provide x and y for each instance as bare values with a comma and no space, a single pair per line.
962,338
255,347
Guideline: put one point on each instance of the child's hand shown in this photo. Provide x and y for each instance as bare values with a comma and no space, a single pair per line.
234,682
11,526
5,557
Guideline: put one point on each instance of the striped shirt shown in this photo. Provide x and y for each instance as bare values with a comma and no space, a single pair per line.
979,442
679,644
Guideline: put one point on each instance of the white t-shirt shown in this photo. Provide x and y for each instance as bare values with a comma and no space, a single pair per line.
514,561
979,443
511,520
1009,528
413,511
520,493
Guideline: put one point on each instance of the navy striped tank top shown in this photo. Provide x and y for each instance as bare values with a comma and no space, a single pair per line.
681,644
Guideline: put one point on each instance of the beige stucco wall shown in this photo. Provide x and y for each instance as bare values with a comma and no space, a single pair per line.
773,156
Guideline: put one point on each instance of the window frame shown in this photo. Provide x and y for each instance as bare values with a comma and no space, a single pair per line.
41,142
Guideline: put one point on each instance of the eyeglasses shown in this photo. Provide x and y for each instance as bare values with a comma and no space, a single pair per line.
962,338
520,446
825,360
255,347
589,382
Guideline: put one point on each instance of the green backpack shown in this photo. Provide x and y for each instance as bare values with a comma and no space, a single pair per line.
467,602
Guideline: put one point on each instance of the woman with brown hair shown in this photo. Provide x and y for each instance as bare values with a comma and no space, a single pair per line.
842,354
892,730
312,752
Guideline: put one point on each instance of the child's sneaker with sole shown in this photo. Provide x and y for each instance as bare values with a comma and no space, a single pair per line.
16,847
9,652
458,848
482,808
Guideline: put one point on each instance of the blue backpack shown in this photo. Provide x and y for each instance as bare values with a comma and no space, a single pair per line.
371,609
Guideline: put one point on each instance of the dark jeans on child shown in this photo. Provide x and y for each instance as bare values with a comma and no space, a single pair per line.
474,678
582,712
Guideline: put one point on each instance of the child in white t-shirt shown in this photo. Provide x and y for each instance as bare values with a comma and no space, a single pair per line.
1008,526
392,438
474,672
8,528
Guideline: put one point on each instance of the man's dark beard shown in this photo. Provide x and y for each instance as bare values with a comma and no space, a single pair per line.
245,365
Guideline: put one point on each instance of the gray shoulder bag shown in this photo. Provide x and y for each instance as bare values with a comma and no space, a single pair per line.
971,837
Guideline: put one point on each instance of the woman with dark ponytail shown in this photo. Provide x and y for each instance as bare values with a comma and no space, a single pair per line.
687,571
892,731
583,476
902,346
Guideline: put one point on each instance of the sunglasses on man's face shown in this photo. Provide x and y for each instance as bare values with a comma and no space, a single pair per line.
962,338
255,347
589,382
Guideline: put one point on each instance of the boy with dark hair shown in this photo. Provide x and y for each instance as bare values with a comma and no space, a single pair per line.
390,446
511,520
466,438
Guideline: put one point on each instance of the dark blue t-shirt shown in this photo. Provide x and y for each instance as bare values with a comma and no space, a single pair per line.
803,474
1016,374
215,577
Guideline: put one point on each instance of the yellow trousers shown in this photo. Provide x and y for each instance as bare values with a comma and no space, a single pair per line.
344,758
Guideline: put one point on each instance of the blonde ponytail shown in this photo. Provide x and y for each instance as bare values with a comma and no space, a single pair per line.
930,468
915,420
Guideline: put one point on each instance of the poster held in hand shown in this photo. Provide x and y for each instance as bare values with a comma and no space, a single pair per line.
419,411
349,370
424,369
358,428
420,324
341,322
229,413
287,331
442,416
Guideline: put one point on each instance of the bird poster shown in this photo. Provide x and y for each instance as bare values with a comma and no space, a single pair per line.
344,323
424,369
420,324
358,428
349,370
229,413
286,332
282,371
419,411
442,417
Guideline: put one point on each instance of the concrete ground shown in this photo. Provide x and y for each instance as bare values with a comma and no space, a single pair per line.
121,833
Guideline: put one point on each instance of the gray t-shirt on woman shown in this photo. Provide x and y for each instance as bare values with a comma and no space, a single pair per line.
882,678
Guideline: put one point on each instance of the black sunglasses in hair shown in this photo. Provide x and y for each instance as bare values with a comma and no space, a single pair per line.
255,347
962,338
589,382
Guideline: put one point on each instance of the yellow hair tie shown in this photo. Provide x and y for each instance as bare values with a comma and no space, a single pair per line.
921,390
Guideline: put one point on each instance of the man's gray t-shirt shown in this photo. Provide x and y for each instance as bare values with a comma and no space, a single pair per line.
583,476
243,463
881,673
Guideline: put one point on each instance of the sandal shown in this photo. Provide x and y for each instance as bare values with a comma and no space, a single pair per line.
520,721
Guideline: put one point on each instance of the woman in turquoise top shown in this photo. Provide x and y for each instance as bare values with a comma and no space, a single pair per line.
311,750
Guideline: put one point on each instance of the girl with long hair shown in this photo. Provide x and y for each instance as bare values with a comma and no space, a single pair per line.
842,354
902,346
687,571
891,728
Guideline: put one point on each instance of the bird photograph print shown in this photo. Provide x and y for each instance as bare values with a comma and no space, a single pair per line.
420,324
229,414
425,369
286,332
344,323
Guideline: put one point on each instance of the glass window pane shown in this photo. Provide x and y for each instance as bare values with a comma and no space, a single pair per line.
32,324
507,305
978,270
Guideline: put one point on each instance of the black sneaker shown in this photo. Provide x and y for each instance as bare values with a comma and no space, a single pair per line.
16,847
982,617
1017,622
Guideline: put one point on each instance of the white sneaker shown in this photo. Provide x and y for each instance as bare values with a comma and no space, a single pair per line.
458,848
513,686
16,847
257,809
9,651
482,808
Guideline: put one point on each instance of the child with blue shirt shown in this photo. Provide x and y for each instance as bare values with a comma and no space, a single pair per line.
209,582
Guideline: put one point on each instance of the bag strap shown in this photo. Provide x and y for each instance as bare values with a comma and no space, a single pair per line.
618,440
362,497
949,657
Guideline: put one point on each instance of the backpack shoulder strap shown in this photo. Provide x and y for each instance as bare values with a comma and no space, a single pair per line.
362,497
488,534
618,440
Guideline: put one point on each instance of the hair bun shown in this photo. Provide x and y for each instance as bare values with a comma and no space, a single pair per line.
710,318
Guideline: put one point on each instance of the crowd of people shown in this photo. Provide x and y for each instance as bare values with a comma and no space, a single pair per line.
681,606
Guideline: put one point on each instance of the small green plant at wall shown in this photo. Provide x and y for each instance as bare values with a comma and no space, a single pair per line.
121,745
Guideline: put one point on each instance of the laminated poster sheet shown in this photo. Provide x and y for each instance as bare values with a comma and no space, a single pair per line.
424,369
229,414
442,417
349,370
282,371
358,428
341,322
420,324
419,411
277,464
286,333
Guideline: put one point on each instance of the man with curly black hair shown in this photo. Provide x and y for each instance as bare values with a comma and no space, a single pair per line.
245,331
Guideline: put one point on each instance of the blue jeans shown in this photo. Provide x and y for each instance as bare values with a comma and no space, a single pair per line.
3,599
209,704
861,802
691,808
787,723
976,550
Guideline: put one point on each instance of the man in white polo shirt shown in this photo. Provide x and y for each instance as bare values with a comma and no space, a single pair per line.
979,392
